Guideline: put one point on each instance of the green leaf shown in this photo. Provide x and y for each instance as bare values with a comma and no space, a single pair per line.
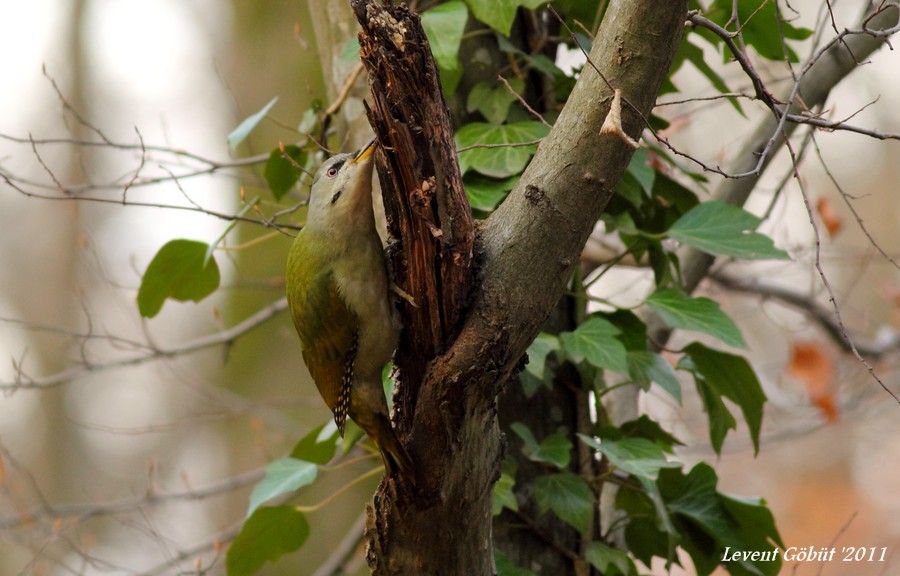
283,476
644,427
485,194
605,558
500,14
444,25
178,272
493,102
568,496
595,341
504,496
643,172
500,151
505,566
725,230
761,27
350,50
723,521
266,536
732,377
281,171
543,345
647,367
555,449
387,384
636,456
319,445
243,130
754,518
679,310
694,54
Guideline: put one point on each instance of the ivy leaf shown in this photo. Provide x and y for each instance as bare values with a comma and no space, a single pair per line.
568,496
724,230
266,536
504,496
319,445
505,150
644,427
636,456
555,449
761,27
444,25
177,271
493,102
606,559
243,130
543,345
500,14
646,367
679,310
505,566
643,172
283,476
281,170
721,374
485,194
595,341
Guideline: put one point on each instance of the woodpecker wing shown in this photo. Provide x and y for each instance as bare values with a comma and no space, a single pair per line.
327,327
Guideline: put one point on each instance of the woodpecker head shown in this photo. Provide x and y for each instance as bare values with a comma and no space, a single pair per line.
341,194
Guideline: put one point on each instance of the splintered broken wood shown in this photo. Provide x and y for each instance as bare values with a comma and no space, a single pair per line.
428,214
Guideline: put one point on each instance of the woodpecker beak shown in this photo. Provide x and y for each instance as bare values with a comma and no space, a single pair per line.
365,152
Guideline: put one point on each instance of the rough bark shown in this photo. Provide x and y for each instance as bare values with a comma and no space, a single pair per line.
428,215
532,240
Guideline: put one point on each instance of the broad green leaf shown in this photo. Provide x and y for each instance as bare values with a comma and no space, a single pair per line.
444,25
283,476
543,345
500,14
647,367
504,496
688,52
679,310
283,169
352,434
387,384
609,561
484,193
178,272
643,172
555,449
725,230
636,456
732,377
644,427
266,536
595,341
350,50
243,130
754,518
493,102
498,151
760,25
319,445
568,496
505,566
741,524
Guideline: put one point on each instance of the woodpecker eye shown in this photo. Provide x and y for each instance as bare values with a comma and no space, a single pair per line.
332,172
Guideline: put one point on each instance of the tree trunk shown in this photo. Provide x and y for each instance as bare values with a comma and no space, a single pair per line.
448,410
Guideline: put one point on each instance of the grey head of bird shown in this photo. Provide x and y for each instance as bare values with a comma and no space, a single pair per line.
341,193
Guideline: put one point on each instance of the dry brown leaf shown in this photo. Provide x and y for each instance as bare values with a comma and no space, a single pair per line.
815,369
833,222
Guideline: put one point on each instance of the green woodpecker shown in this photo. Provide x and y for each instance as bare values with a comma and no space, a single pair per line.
337,289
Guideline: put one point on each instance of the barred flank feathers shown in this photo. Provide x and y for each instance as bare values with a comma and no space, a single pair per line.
343,404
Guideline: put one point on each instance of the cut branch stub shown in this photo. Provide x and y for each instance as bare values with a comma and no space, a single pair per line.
428,214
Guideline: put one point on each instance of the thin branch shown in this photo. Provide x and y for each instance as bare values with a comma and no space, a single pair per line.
226,337
819,314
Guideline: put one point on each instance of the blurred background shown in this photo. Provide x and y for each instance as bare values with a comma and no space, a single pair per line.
182,74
